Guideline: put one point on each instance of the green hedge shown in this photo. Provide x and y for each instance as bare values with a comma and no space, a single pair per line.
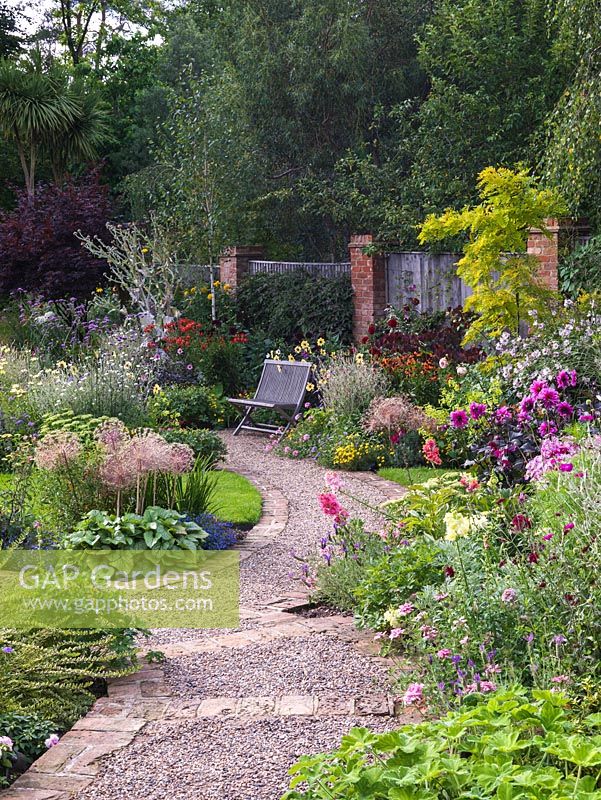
296,305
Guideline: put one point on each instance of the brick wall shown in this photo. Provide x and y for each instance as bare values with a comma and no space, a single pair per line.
368,277
233,264
548,249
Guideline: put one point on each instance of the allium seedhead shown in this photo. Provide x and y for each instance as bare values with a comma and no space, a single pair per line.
111,434
396,413
180,458
56,450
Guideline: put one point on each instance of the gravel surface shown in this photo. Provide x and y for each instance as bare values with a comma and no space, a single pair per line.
219,759
241,758
317,664
301,481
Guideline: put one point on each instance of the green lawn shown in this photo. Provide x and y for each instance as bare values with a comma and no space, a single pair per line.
237,499
408,477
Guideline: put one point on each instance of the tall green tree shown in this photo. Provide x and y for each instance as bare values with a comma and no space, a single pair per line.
572,159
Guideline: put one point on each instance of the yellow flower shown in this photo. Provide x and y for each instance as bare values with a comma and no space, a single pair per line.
322,352
144,249
156,389
310,387
216,284
226,287
291,357
457,525
210,296
305,345
99,290
204,290
321,341
193,290
359,358
298,349
186,292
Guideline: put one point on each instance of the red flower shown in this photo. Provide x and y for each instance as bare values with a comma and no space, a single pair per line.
392,322
449,572
371,329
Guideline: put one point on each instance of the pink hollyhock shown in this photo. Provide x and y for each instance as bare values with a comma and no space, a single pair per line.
334,481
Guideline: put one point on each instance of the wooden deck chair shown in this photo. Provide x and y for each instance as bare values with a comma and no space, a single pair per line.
281,389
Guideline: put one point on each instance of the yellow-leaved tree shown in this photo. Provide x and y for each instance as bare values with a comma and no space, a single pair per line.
495,264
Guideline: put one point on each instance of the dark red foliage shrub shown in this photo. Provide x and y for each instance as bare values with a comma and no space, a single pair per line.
38,247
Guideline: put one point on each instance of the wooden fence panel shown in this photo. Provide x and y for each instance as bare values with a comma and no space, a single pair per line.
430,278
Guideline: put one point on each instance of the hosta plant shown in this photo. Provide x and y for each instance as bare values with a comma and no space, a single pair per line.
156,529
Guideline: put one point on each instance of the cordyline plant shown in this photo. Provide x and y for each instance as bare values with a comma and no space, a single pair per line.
495,264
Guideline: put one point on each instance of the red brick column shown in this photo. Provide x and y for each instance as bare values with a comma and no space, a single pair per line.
233,264
368,276
548,247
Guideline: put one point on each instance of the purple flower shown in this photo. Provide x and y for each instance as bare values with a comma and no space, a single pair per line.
586,418
8,650
549,397
566,466
527,405
459,418
563,379
547,428
559,639
568,527
536,388
503,414
477,410
565,410
52,740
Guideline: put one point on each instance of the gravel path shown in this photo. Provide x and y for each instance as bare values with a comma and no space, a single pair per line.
245,758
222,760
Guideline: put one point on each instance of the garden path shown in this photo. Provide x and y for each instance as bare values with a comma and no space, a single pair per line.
228,712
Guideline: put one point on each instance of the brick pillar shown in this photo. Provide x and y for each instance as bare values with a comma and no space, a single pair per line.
233,264
560,239
368,277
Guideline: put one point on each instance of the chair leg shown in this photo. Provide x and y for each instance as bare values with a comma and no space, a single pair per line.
245,417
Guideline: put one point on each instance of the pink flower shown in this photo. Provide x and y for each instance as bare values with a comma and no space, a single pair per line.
306,437
428,633
560,679
487,686
52,740
414,694
565,410
395,633
536,388
444,653
431,452
477,410
459,418
405,609
566,466
509,595
547,537
6,741
331,507
503,414
334,481
549,397
568,527
547,428
586,418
